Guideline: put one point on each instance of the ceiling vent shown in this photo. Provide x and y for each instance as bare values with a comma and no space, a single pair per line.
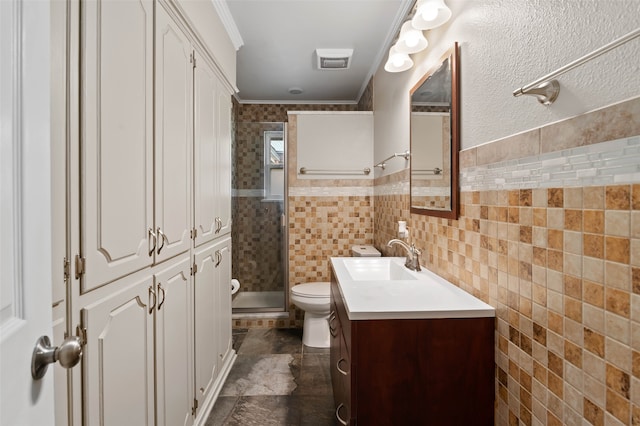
334,59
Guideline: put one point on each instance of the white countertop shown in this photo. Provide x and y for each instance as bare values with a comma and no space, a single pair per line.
400,293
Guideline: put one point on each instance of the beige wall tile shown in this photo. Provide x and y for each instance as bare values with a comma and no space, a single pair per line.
618,223
593,197
561,267
609,123
618,354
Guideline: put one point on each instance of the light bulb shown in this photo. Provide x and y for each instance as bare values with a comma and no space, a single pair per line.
429,12
411,40
397,61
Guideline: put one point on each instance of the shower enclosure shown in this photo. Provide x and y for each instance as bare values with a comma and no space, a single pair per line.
259,219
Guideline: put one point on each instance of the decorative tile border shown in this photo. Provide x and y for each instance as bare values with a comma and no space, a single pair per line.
392,188
331,191
605,163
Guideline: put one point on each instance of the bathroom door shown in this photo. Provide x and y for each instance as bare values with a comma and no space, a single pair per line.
25,211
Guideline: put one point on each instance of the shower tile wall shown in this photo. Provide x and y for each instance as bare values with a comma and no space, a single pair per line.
256,251
257,234
549,234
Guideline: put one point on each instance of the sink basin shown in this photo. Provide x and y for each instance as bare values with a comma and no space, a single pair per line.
377,269
383,288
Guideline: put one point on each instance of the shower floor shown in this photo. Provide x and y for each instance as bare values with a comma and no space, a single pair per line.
258,300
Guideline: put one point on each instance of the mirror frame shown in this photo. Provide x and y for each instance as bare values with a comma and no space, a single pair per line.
453,55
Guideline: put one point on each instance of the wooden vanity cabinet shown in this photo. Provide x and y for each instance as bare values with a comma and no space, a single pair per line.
411,371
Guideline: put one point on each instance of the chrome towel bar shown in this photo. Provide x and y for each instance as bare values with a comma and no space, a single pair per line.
546,88
305,171
383,163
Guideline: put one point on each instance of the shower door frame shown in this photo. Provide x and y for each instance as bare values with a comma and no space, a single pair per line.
284,224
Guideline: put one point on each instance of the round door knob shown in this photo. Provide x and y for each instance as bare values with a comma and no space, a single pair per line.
68,354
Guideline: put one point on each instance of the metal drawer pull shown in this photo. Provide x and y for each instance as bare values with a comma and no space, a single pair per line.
152,235
346,373
152,293
163,239
342,422
332,330
163,295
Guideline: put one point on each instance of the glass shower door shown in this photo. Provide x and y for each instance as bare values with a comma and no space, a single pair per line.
259,219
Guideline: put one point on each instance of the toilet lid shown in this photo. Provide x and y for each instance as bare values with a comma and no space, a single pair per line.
316,289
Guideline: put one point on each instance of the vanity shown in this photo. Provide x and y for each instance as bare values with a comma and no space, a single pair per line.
408,348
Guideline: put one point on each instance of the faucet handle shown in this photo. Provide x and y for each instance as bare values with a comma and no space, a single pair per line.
415,250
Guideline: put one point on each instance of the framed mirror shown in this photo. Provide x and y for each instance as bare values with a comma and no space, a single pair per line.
435,134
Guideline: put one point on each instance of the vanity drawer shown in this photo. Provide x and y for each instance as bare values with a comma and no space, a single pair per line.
341,368
338,307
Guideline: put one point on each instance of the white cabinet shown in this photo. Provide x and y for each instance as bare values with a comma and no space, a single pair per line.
212,160
118,358
173,138
212,320
116,131
213,274
123,361
223,165
150,172
174,343
223,310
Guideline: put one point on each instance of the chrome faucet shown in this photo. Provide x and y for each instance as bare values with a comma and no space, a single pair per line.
413,254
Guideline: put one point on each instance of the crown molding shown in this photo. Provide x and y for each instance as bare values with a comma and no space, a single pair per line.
229,24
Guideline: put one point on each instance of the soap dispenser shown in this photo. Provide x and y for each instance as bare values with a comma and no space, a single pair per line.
403,231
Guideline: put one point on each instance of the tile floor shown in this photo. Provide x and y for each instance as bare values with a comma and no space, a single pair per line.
276,380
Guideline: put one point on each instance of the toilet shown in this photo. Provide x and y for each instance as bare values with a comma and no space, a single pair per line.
314,298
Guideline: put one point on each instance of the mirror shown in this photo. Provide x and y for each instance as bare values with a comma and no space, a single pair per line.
435,118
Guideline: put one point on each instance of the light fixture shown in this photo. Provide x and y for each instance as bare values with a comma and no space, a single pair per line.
430,14
411,40
397,61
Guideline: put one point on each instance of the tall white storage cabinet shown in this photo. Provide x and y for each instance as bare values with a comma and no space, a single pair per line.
173,137
117,139
150,215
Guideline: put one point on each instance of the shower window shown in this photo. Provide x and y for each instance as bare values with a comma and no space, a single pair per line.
274,165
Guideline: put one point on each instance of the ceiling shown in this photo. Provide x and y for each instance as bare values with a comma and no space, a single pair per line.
279,38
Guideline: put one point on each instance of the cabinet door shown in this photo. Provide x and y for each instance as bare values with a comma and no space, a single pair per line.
174,75
223,161
206,330
174,355
223,312
116,138
118,365
205,153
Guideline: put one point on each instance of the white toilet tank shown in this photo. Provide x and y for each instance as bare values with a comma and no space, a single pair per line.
364,251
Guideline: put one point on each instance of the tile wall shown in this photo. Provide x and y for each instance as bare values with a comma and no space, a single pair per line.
253,232
549,234
256,232
326,217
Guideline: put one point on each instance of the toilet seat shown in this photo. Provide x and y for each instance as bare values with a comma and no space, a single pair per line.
312,290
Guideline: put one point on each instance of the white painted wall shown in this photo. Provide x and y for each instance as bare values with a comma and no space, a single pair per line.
209,26
335,141
506,44
426,129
